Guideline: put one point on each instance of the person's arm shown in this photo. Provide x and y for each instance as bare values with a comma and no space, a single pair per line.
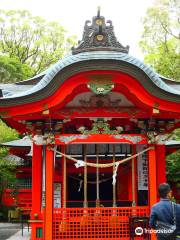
152,218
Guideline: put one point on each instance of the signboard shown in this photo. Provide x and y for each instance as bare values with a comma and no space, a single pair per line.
142,167
57,196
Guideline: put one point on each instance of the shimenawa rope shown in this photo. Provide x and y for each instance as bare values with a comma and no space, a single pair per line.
81,163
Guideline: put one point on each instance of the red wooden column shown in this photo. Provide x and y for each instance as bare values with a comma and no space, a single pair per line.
49,194
152,181
36,186
134,176
152,176
161,163
129,179
64,177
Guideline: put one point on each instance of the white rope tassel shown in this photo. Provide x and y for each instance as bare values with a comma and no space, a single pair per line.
80,185
79,163
115,173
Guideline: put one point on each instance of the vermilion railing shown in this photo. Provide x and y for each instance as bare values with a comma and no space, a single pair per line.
95,223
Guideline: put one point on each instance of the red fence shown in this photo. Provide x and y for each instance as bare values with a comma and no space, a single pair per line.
95,223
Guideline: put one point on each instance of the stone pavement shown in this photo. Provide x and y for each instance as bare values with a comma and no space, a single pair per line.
18,235
12,231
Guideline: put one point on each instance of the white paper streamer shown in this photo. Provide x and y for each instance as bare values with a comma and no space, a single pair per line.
79,163
115,173
80,185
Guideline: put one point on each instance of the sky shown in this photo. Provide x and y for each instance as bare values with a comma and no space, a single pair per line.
126,16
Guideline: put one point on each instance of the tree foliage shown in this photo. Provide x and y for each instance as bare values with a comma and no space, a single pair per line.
161,38
7,173
173,167
32,40
173,162
12,70
6,133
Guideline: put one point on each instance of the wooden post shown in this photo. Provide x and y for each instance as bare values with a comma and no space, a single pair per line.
97,177
114,185
49,193
152,181
36,186
134,185
161,163
129,180
85,176
64,167
152,177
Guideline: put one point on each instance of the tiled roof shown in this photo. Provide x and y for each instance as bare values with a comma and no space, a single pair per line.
172,142
11,89
24,142
99,55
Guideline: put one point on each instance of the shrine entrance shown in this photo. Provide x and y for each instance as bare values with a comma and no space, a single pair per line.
76,195
97,184
99,188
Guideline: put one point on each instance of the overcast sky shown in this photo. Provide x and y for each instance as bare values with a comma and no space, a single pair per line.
126,15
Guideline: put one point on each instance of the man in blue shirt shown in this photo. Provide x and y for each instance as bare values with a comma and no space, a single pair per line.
163,211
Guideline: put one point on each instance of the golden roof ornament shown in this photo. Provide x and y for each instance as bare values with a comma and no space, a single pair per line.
99,35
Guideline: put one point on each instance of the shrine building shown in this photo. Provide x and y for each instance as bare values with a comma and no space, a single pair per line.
96,124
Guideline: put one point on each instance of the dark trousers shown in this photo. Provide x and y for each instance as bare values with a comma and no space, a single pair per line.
162,238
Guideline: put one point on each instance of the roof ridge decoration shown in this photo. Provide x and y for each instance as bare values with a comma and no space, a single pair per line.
99,36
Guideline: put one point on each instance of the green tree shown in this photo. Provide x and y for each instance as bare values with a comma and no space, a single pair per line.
173,163
12,70
7,173
32,40
7,167
6,133
173,167
161,38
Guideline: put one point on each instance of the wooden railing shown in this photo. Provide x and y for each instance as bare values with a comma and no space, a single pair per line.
95,223
104,203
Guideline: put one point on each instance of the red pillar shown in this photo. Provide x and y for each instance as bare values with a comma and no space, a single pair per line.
161,164
152,177
134,151
64,178
49,194
36,186
152,181
132,178
129,181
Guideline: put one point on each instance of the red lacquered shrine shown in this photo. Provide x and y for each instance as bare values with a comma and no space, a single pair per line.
98,119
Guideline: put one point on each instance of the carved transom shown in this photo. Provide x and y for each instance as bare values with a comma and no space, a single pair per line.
88,100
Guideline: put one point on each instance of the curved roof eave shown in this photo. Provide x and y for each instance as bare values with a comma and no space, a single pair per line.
33,80
166,78
96,55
